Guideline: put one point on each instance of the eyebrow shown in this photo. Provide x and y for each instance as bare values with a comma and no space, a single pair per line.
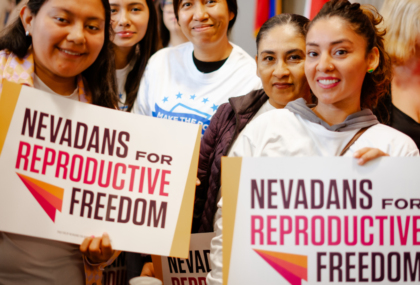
331,44
287,52
72,14
130,4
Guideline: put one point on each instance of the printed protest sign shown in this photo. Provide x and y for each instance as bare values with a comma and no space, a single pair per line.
320,221
70,170
191,271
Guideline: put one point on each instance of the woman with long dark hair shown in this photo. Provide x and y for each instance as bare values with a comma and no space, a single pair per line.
60,47
135,40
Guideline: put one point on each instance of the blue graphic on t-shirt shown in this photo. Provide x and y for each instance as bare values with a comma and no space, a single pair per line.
176,114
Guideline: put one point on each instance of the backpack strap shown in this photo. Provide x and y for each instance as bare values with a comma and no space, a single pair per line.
353,140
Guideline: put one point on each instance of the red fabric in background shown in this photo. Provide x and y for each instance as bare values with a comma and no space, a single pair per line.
261,13
316,6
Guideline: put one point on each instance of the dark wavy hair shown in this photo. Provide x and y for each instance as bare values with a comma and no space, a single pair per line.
232,6
298,21
143,50
364,20
99,77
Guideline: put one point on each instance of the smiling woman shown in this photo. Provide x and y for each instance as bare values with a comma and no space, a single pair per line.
135,40
61,48
347,69
199,75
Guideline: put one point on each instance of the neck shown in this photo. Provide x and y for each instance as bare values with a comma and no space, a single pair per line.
405,88
177,38
60,85
123,56
337,113
211,53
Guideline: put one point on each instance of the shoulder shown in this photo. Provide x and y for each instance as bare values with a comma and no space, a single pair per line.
267,124
395,142
168,53
4,53
240,53
4,56
222,114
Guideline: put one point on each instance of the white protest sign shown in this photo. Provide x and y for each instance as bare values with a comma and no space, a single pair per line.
321,221
191,271
70,170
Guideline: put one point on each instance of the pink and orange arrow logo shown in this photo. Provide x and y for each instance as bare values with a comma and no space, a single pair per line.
292,267
50,197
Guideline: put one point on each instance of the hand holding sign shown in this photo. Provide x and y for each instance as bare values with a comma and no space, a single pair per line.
97,249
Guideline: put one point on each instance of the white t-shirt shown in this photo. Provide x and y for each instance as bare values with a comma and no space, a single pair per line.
173,88
40,85
280,133
121,75
44,261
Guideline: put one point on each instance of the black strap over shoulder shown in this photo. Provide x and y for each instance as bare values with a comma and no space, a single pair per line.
353,140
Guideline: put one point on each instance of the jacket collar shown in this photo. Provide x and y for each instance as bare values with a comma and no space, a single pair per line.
249,103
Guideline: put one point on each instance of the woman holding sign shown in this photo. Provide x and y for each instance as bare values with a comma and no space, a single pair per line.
348,70
60,47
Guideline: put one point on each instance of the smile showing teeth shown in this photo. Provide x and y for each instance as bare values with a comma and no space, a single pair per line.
70,52
328,81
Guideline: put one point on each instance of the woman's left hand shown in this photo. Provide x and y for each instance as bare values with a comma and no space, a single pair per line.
367,154
97,249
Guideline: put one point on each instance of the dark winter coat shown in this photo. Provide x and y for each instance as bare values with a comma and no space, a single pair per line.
225,126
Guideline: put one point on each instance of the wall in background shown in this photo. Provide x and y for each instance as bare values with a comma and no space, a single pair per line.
243,31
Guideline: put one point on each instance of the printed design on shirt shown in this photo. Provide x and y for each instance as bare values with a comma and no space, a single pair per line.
49,197
182,112
122,107
292,267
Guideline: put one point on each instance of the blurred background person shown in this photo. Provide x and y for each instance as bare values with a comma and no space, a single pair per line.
402,42
169,30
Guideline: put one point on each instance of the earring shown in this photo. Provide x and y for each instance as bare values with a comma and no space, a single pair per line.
371,70
27,33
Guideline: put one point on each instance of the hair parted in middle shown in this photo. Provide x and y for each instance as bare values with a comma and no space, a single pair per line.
297,21
364,20
232,6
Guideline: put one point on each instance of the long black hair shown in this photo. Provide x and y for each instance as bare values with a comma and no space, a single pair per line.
99,77
143,50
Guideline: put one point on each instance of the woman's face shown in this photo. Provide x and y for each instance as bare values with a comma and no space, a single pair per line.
204,22
129,19
168,14
280,65
67,36
336,62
